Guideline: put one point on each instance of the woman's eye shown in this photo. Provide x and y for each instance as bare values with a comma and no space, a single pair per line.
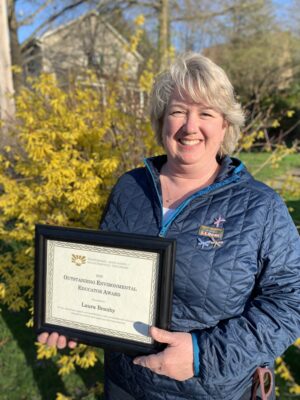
177,112
206,114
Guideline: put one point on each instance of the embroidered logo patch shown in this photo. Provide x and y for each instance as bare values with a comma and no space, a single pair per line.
211,236
211,232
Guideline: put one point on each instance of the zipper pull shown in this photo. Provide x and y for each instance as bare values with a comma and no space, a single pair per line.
163,232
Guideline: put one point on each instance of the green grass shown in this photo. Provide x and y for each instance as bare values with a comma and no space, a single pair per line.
275,176
23,377
254,161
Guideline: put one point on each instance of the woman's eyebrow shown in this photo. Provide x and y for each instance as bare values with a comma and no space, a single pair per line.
177,104
183,104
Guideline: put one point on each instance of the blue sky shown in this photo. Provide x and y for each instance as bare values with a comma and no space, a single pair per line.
24,7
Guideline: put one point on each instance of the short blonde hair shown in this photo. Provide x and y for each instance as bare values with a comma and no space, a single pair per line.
203,81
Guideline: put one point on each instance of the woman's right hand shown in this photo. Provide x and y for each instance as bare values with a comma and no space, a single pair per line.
56,340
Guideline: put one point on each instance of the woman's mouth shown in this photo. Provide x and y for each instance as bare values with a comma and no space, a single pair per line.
190,142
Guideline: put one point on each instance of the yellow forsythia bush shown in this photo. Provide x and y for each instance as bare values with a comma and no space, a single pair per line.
67,150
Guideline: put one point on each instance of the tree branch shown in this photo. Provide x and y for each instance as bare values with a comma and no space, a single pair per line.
30,19
51,19
202,16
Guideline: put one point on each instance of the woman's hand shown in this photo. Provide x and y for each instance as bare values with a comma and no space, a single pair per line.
176,361
54,339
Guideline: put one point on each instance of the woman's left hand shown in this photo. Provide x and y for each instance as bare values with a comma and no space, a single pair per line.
176,361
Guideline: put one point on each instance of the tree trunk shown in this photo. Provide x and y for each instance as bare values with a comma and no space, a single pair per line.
15,48
6,84
163,40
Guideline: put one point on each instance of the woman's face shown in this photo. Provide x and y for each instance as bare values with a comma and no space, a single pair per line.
192,132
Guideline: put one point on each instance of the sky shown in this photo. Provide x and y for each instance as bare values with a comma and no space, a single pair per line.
26,6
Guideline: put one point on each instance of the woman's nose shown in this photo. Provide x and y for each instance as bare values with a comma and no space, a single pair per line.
191,123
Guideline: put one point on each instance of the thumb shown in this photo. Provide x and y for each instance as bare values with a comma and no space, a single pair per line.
162,336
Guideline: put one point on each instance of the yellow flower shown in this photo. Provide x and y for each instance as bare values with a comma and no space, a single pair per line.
290,113
140,20
60,396
29,323
275,123
282,370
2,291
89,359
44,351
297,342
260,135
295,389
66,364
16,69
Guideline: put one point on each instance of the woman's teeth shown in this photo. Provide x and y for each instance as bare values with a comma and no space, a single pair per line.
189,142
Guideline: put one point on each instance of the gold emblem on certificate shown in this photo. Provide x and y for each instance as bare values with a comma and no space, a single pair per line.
78,260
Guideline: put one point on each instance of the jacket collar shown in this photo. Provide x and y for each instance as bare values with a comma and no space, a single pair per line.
229,166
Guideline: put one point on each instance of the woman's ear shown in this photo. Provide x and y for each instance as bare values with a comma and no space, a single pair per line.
225,123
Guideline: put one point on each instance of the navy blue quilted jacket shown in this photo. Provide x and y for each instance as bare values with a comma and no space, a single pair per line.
236,286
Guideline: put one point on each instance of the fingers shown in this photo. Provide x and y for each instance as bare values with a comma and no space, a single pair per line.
72,344
176,360
42,338
56,340
162,336
155,361
52,339
61,342
152,362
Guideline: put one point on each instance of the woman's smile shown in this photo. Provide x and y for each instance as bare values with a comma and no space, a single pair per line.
190,142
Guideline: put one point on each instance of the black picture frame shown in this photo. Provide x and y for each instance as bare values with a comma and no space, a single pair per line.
58,248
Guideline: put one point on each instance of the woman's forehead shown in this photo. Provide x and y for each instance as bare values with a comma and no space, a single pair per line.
181,96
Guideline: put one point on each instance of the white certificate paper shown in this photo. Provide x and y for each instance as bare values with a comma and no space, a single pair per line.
105,290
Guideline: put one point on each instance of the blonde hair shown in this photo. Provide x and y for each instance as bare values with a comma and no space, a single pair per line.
203,81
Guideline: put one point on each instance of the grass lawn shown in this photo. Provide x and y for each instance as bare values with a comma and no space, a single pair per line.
23,377
254,161
272,176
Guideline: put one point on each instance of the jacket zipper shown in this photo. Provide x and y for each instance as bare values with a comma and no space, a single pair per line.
182,206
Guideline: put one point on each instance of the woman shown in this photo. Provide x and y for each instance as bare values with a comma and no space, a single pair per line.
237,280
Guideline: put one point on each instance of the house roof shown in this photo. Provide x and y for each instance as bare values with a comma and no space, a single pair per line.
121,38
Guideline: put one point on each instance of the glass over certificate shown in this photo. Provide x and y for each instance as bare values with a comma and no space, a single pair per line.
103,288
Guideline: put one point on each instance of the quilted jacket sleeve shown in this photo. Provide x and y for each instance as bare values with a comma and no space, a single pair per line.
271,319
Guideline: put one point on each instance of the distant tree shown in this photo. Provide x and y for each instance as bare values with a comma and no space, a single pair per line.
50,13
261,61
6,83
168,17
14,24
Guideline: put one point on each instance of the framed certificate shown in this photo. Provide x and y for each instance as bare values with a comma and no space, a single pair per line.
103,288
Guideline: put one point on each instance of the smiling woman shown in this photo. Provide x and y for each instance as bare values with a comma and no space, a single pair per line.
195,127
204,83
237,277
192,132
192,136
